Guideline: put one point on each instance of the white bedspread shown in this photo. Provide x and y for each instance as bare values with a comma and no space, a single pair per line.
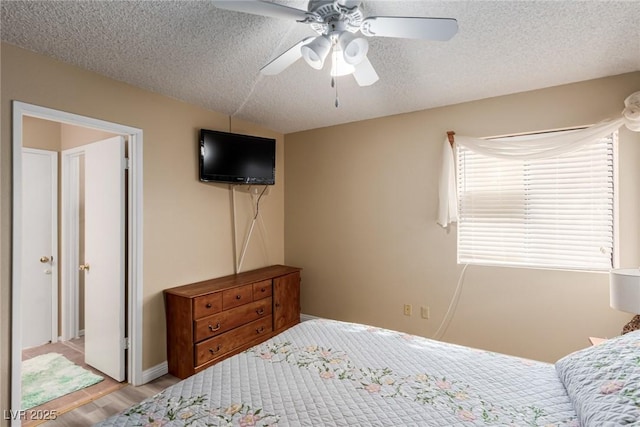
329,373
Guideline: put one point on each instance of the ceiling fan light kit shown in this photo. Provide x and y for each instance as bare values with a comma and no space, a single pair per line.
354,49
316,52
340,66
337,22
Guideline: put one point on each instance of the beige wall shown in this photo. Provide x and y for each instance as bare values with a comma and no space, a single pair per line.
56,136
187,224
360,207
42,134
76,136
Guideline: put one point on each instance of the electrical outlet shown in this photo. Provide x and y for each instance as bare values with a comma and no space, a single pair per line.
407,309
425,312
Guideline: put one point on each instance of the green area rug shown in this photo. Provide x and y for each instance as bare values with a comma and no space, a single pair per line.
49,376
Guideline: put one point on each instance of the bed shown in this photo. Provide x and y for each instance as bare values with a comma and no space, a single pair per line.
330,373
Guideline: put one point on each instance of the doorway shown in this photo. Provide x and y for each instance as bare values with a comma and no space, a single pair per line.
133,242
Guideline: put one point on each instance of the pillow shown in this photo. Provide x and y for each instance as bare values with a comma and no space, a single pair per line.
603,381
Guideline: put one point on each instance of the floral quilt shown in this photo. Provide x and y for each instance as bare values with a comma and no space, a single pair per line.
604,381
329,373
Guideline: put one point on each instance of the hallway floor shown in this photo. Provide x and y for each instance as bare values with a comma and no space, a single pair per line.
74,351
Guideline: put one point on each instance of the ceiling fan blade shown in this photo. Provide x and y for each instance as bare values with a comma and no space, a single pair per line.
285,59
364,73
262,8
441,29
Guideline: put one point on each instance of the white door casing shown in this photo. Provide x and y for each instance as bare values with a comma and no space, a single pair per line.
70,238
40,248
104,257
134,243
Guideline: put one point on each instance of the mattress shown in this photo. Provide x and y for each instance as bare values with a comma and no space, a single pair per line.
330,373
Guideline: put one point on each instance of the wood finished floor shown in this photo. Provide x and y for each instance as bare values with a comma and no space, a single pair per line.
111,404
92,404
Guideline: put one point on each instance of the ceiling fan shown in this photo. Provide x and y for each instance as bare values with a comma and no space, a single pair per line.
337,22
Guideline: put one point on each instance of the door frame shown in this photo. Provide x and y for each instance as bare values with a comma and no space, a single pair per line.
53,158
134,240
70,233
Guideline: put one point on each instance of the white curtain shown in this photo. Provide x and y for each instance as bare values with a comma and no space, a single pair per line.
545,146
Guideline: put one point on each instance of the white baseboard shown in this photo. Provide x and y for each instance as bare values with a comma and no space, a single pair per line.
304,317
155,372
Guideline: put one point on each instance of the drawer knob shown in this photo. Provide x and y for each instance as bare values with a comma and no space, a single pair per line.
212,351
260,311
260,330
263,290
238,297
214,328
208,305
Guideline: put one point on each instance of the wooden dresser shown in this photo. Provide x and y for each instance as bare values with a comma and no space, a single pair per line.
211,320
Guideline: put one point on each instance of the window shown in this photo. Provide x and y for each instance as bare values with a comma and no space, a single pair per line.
544,213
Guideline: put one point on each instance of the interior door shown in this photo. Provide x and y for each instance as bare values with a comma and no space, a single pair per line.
104,257
39,246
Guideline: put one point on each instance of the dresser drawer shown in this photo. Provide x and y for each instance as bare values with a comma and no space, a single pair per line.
237,296
218,346
262,290
207,305
213,319
218,323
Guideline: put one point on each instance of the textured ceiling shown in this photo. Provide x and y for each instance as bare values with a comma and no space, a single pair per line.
192,51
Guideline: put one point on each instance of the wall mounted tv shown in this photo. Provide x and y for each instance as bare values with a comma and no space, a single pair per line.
238,159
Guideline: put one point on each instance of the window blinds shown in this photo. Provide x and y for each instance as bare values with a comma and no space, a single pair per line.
547,213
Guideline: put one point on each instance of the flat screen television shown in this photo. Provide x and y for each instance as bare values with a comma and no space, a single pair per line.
238,159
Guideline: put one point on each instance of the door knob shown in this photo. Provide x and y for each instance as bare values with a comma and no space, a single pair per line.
84,267
44,259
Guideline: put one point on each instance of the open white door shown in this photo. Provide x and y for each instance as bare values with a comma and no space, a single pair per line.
104,260
40,246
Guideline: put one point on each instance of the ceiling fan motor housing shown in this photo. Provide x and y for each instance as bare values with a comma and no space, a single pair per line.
334,18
